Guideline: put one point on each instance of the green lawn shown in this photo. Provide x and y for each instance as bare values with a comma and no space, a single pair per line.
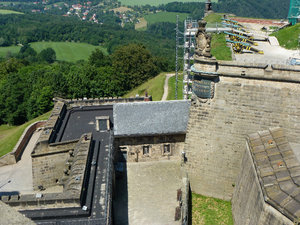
155,2
5,11
214,18
154,87
288,37
165,17
9,135
210,211
219,48
172,88
13,50
66,51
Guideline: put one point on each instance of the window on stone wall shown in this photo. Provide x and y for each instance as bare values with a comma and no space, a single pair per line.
146,150
167,149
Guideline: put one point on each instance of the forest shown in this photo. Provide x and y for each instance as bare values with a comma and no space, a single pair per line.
30,81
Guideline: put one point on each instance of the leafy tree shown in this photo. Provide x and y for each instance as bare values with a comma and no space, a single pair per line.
98,59
47,55
136,62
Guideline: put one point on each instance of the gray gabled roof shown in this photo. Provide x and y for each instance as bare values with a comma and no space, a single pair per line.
151,118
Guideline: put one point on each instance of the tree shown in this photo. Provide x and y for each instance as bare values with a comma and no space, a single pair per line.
98,59
47,55
136,62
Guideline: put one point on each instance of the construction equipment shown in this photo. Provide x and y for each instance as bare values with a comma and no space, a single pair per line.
239,46
237,37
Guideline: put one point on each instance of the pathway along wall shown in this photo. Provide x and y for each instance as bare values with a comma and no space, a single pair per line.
217,128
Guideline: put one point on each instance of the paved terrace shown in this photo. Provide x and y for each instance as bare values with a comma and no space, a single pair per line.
18,177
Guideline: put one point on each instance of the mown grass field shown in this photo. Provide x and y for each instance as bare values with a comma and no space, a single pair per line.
13,50
65,51
288,37
219,48
214,18
5,11
165,17
155,2
210,211
172,88
9,135
154,87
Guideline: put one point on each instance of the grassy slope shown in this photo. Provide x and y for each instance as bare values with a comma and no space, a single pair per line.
9,135
288,37
214,18
67,51
165,17
155,2
5,11
210,211
218,42
154,87
11,49
171,94
219,48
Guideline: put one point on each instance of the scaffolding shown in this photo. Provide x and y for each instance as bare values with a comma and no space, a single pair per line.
190,29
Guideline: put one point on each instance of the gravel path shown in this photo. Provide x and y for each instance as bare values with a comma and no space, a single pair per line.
166,86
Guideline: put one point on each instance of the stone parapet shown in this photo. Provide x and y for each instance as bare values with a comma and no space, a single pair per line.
257,71
71,103
15,155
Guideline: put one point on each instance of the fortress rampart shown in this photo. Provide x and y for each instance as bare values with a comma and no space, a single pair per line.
247,98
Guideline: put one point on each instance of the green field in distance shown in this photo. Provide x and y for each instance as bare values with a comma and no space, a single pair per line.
65,51
165,17
5,11
155,2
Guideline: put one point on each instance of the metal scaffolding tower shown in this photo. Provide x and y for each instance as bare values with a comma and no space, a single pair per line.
188,45
190,29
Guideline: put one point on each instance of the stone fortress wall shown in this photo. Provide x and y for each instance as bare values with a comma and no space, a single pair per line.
160,147
247,98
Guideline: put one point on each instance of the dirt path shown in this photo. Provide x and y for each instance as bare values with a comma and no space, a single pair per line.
166,86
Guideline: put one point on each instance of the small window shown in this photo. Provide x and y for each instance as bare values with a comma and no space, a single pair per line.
102,123
146,150
167,149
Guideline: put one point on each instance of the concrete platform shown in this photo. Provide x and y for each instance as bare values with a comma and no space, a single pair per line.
18,177
142,196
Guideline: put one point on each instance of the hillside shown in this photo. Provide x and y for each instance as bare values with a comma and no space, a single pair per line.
288,37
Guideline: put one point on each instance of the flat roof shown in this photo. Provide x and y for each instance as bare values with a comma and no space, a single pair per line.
151,118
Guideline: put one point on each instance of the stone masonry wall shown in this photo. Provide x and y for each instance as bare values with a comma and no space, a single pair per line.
134,147
248,204
217,128
48,169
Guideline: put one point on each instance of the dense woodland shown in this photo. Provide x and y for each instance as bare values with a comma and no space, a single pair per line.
29,82
272,9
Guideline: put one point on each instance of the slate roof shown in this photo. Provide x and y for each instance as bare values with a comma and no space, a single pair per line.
278,171
151,118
